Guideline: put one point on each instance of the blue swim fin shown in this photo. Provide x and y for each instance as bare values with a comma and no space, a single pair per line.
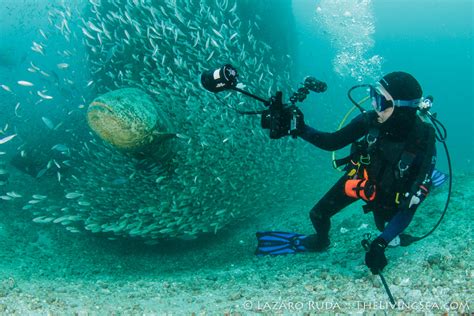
438,178
279,243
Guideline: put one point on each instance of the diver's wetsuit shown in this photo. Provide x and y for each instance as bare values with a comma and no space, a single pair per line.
404,129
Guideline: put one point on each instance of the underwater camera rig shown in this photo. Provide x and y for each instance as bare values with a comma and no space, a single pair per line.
281,119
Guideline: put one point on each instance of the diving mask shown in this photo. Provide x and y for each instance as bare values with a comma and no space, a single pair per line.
381,103
378,99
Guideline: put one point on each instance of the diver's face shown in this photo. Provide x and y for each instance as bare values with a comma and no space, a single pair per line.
384,115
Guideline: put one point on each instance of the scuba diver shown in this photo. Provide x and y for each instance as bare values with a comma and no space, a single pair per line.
390,167
392,158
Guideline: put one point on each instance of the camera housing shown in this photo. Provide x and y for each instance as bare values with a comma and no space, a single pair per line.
281,119
278,118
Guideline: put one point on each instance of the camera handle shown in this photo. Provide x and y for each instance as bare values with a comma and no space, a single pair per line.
276,106
277,110
275,103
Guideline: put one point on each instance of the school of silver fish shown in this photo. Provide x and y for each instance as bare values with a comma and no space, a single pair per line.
225,167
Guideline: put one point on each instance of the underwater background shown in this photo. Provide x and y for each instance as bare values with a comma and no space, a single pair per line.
167,225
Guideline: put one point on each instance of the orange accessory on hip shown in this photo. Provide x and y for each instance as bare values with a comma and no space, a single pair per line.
360,188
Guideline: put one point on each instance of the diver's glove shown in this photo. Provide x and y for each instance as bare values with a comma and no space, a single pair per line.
375,258
414,197
300,124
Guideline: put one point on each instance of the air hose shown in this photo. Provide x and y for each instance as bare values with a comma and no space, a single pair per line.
406,240
344,119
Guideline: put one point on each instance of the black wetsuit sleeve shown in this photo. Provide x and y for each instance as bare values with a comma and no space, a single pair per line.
357,128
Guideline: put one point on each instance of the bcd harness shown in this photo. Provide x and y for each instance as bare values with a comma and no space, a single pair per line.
388,175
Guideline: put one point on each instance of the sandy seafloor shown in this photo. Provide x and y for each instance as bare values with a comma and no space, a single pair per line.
45,270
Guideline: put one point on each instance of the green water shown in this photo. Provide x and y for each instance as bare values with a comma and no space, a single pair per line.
179,238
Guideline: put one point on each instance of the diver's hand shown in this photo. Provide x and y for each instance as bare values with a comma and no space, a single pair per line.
375,258
300,124
414,198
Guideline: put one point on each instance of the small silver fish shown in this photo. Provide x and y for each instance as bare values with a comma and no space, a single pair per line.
48,122
14,194
39,197
57,164
16,109
93,27
42,172
44,96
43,34
25,83
6,88
73,195
60,148
37,48
84,31
7,139
62,66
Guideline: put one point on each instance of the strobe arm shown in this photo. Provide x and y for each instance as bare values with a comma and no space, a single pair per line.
266,102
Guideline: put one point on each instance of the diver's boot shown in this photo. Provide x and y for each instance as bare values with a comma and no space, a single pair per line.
320,241
316,243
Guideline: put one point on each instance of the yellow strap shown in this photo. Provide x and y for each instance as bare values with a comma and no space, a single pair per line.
397,200
352,172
